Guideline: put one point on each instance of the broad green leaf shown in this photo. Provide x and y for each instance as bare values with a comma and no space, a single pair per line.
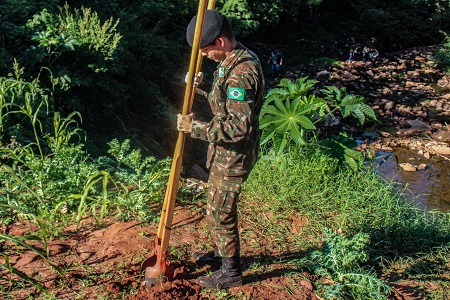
351,100
359,115
267,134
341,147
334,94
304,122
368,111
289,111
270,110
351,162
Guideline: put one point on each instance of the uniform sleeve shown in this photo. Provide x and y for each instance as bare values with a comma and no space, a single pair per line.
236,123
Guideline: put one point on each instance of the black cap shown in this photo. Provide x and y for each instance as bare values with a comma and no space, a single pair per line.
212,26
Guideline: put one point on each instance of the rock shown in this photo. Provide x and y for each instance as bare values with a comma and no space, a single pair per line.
409,84
390,105
441,135
433,103
386,91
384,134
443,150
446,96
444,84
331,120
422,167
408,167
322,73
377,146
427,155
419,125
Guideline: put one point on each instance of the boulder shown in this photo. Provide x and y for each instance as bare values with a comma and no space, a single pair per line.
443,150
407,167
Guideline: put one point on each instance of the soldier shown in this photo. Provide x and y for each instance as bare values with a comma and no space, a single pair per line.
235,99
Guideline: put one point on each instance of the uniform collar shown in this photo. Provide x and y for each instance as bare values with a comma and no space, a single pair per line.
233,56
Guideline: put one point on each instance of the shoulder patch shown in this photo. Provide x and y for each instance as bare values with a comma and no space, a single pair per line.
235,93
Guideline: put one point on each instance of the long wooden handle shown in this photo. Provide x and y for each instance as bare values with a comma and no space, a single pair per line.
174,177
198,66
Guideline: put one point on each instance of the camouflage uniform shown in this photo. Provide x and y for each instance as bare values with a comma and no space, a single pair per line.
236,98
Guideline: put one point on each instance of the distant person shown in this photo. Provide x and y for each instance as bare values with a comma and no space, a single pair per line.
357,54
373,55
276,57
352,50
365,54
351,54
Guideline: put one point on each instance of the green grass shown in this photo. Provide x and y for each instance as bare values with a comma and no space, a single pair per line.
304,184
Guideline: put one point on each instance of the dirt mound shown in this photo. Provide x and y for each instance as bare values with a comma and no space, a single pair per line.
105,260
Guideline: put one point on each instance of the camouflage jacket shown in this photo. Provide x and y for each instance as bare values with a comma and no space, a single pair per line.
236,98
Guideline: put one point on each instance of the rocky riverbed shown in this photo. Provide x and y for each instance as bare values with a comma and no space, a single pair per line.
408,92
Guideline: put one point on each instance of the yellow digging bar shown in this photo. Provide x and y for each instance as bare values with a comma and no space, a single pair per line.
198,65
157,267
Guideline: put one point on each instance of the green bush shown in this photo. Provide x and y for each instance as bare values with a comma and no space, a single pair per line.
291,111
442,56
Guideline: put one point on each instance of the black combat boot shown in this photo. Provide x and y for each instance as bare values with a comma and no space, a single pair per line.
229,275
211,258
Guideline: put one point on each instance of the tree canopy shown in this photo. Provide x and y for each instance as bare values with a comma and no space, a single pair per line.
121,64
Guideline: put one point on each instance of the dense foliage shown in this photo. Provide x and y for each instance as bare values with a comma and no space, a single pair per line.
121,63
116,81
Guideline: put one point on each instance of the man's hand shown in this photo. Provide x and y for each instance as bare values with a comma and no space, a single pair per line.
197,79
184,123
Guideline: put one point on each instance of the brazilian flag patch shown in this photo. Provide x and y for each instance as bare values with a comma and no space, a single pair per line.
236,93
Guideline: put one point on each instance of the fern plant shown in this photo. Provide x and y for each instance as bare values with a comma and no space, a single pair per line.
340,264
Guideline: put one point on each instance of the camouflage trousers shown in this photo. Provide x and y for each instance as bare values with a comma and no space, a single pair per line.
221,213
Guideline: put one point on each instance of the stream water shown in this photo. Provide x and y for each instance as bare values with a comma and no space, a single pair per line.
429,188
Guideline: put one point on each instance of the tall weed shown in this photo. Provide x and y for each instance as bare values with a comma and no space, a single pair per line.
140,181
341,265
